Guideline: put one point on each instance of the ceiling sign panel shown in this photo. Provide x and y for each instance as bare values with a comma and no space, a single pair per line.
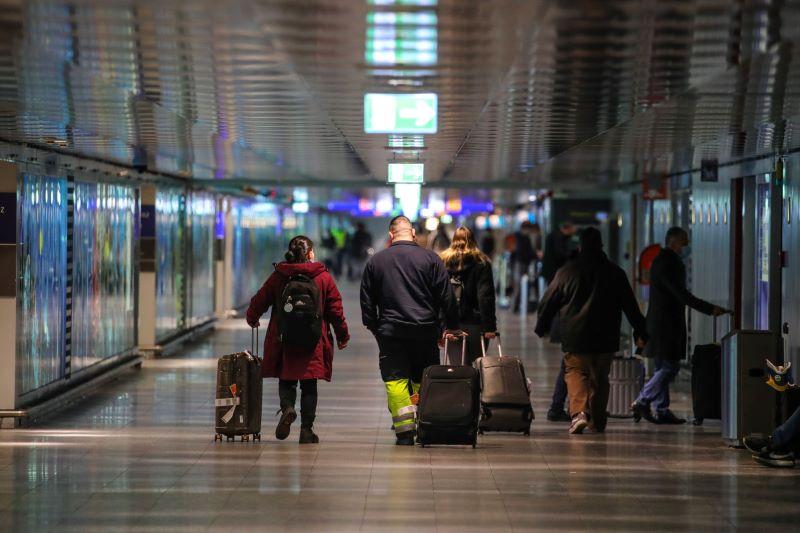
406,172
400,113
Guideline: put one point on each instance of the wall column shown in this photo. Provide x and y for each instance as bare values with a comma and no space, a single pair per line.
8,289
147,269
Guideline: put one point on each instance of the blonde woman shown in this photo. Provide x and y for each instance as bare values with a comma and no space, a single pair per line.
470,272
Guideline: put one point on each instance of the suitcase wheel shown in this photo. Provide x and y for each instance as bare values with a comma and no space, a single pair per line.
697,422
257,437
218,437
527,432
245,438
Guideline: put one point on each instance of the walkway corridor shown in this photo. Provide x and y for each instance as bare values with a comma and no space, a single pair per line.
141,456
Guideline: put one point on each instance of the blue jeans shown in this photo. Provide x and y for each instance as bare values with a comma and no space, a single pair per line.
788,435
560,392
656,390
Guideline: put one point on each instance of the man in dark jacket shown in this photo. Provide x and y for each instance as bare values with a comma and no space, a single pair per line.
590,294
557,250
404,292
666,324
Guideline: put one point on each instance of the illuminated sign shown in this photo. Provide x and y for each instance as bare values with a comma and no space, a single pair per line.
400,113
406,172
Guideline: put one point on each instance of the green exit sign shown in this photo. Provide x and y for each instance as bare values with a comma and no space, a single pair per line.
400,113
406,172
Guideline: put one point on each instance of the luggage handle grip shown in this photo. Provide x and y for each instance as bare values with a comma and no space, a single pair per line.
463,349
254,340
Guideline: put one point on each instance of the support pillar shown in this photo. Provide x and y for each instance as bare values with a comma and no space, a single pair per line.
8,289
147,270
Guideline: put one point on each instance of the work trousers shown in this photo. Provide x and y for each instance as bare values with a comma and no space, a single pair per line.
287,392
402,362
588,387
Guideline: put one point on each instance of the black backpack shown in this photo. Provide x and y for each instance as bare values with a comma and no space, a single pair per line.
299,320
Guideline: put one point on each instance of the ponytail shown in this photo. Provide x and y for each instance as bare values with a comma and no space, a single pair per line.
299,249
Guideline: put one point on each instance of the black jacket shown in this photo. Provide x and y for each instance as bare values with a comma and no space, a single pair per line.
590,294
477,305
666,315
404,291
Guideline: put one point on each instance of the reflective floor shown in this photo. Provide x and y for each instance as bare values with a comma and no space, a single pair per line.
141,456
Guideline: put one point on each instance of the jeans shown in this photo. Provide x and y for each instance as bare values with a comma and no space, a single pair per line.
560,391
788,435
587,382
287,392
656,390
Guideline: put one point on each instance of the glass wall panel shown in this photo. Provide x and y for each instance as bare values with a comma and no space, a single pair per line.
170,261
42,263
104,322
258,242
202,218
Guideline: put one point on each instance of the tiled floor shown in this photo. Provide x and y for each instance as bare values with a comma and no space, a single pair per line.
141,456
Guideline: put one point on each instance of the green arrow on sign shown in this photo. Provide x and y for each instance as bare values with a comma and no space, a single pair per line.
400,113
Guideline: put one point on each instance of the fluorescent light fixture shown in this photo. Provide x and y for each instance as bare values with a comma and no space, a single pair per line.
400,112
300,194
404,18
406,172
402,2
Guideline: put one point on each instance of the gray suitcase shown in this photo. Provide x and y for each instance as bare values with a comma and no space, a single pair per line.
626,381
505,394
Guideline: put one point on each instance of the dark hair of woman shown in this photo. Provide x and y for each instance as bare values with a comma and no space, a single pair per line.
299,249
462,247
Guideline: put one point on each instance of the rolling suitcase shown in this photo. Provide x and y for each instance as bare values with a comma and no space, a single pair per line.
505,396
238,401
707,381
449,404
626,381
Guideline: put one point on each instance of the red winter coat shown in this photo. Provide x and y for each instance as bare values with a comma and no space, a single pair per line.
291,362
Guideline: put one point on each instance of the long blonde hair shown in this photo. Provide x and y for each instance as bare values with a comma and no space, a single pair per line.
462,247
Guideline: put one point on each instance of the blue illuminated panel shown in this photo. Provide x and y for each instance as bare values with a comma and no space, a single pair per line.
42,264
202,218
104,322
170,261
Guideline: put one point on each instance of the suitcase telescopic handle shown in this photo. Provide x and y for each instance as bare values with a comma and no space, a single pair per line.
254,340
499,344
463,349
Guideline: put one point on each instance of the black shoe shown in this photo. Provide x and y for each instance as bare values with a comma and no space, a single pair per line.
669,418
579,423
757,445
558,416
405,438
775,459
640,411
288,416
307,436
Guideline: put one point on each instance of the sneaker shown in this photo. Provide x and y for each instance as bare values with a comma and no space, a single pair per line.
757,445
640,411
558,416
405,439
579,423
776,459
288,416
307,436
668,417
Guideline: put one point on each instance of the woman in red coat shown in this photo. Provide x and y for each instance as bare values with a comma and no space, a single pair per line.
292,363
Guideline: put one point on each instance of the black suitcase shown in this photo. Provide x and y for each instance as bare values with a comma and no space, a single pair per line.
707,381
238,400
505,396
449,404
